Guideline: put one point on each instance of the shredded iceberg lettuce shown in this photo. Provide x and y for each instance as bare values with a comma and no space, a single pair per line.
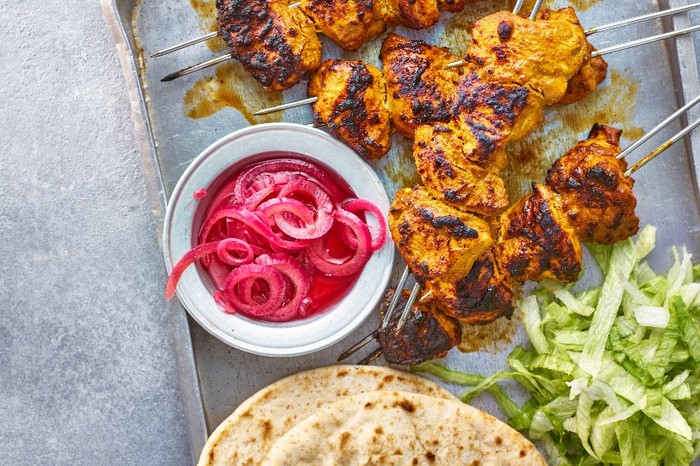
614,372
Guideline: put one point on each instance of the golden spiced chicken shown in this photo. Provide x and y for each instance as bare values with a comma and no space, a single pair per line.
415,14
349,23
437,241
543,55
352,103
589,76
421,89
452,6
481,296
427,334
451,177
278,45
596,196
419,14
496,113
536,240
593,70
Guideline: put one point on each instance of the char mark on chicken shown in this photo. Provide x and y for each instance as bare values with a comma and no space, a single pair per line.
278,45
596,195
427,333
352,103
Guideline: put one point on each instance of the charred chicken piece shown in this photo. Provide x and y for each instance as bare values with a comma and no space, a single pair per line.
480,297
352,103
414,14
596,195
437,241
421,89
496,113
537,241
452,6
592,71
349,23
278,45
449,174
427,334
543,55
419,14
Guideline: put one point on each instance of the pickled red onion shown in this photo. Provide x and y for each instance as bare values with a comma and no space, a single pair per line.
358,205
226,247
279,205
272,233
259,272
319,257
288,165
322,203
287,265
188,259
255,223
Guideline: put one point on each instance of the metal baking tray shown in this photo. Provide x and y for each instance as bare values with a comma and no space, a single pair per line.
644,85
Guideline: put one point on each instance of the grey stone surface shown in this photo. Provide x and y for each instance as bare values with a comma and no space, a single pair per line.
87,371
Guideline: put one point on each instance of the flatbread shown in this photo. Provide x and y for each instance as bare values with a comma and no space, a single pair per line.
246,435
398,428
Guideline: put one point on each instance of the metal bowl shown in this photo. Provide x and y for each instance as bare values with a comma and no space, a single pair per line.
184,216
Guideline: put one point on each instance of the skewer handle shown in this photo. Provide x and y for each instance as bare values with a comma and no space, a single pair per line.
535,10
651,155
189,43
357,346
394,301
647,40
197,67
279,108
407,308
658,128
639,19
518,6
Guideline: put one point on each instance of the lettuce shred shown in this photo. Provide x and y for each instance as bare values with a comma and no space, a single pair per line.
614,372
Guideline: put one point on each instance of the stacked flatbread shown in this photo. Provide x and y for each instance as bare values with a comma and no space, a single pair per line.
362,415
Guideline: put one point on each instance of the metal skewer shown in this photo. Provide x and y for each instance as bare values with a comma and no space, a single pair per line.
646,40
402,319
197,67
595,53
535,10
652,155
658,128
279,108
199,39
518,6
620,47
223,58
639,19
183,45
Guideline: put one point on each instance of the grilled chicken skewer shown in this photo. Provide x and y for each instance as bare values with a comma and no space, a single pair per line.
264,33
360,25
420,91
587,197
516,10
357,102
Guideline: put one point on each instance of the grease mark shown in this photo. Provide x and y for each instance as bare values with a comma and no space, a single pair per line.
612,104
206,15
231,86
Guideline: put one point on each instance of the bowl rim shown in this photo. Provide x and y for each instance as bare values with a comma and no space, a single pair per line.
239,332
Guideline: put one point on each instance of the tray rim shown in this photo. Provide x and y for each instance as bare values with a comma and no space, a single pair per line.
188,374
681,51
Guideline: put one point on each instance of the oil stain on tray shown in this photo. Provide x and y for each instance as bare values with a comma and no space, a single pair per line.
206,14
231,86
611,104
